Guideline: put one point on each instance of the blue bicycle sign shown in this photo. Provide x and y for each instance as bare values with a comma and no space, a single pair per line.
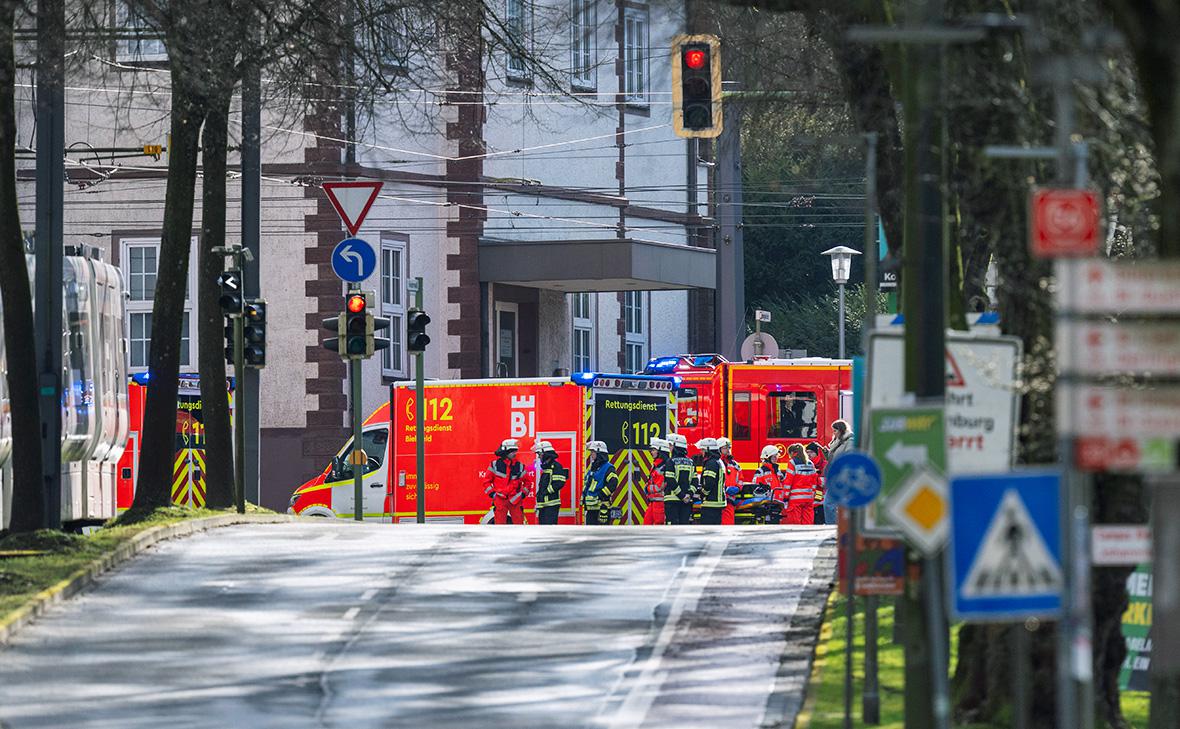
853,480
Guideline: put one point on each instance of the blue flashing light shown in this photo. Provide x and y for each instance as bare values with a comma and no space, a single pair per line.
141,378
661,365
583,378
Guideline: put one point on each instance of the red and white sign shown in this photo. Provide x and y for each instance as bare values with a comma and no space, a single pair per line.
1122,348
1118,287
1116,412
1141,454
352,201
1120,544
1064,223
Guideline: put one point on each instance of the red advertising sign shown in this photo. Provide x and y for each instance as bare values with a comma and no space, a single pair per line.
1064,223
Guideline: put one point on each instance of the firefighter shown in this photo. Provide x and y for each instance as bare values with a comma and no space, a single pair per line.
712,482
654,515
733,479
815,454
551,478
599,487
506,482
802,481
770,476
678,471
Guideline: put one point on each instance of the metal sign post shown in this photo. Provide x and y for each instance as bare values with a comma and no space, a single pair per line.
420,412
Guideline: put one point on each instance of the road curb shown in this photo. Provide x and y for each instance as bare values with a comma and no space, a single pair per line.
87,575
785,706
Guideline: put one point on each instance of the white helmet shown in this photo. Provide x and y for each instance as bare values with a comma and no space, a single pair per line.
707,444
770,451
541,446
660,445
509,444
596,446
677,440
724,442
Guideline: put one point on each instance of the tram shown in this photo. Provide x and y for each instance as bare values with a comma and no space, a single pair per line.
95,418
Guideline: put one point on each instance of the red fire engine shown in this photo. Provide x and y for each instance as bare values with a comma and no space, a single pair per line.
759,402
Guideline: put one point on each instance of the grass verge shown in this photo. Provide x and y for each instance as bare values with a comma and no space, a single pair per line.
37,561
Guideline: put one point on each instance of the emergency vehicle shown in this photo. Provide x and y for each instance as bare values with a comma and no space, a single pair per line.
758,402
465,421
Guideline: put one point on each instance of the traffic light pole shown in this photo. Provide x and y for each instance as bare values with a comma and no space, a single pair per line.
239,415
420,415
358,473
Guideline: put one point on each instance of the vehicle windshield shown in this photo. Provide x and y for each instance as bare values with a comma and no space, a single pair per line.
373,442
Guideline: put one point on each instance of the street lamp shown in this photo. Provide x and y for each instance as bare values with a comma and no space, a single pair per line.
841,269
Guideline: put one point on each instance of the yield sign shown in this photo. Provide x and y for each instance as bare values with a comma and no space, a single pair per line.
352,201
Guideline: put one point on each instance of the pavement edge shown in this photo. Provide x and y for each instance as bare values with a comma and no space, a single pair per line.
87,575
785,706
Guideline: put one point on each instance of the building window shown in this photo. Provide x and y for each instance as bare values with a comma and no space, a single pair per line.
635,56
583,49
518,22
136,49
140,262
582,341
634,331
393,305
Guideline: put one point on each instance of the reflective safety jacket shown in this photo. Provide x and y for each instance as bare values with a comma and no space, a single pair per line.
733,478
820,465
655,481
599,487
507,479
550,481
713,483
678,479
769,475
802,481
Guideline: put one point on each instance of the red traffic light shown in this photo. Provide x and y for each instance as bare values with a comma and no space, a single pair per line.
356,303
695,58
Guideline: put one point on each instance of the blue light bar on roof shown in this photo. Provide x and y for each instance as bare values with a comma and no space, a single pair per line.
582,378
661,365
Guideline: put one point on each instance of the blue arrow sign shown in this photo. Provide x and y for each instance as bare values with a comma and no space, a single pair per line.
1005,546
353,260
853,479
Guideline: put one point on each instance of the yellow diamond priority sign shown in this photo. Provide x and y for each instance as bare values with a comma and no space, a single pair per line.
919,508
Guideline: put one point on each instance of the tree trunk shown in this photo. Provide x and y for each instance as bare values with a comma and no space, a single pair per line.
219,455
159,418
16,295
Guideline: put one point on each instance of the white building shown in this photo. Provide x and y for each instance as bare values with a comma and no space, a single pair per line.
552,233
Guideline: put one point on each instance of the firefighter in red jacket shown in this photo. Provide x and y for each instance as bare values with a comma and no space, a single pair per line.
655,483
507,482
733,479
815,454
769,475
801,483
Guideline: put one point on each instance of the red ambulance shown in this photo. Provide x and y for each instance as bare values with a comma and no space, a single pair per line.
465,421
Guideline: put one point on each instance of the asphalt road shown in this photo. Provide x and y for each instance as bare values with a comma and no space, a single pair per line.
343,625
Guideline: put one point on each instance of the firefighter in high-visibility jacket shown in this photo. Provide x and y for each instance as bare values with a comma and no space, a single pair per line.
712,482
551,479
770,476
507,482
600,485
733,479
801,483
654,492
678,471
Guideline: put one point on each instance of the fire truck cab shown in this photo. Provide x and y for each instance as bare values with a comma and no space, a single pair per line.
758,402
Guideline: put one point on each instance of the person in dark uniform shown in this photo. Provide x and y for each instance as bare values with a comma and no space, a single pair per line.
600,485
678,472
712,483
551,478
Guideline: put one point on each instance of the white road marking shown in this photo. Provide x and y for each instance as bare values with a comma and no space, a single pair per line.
368,595
527,597
351,613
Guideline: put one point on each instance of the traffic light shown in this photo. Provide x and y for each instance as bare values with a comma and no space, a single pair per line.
416,338
696,85
335,325
358,326
230,300
255,333
379,323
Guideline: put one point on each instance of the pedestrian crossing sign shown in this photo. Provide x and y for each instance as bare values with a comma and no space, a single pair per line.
1005,547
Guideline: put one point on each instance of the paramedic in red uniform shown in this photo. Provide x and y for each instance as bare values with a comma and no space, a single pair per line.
815,454
769,475
733,479
655,483
802,481
506,482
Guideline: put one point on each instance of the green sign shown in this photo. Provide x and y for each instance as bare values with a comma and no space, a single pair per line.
902,440
1137,631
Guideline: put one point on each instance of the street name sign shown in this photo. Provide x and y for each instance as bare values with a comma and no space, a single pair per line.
353,260
1118,348
1096,286
1064,222
853,480
1005,548
982,399
1120,544
919,508
352,201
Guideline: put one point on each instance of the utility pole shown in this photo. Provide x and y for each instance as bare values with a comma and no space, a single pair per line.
50,118
247,399
870,696
729,308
